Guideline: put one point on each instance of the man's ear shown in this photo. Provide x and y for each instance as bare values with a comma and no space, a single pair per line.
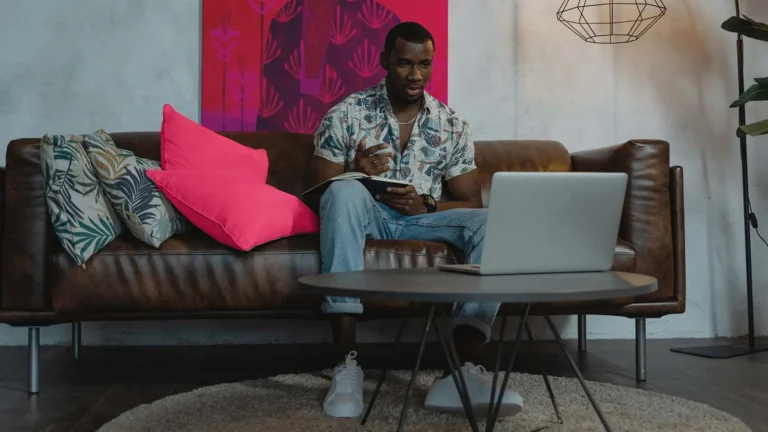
383,62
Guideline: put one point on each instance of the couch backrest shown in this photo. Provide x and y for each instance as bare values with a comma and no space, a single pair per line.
290,155
518,155
29,236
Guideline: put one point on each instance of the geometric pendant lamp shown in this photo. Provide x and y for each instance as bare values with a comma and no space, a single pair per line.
610,21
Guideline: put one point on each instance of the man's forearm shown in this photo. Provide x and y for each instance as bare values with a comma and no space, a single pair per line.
466,191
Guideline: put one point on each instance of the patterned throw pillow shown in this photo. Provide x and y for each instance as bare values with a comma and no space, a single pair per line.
149,216
82,218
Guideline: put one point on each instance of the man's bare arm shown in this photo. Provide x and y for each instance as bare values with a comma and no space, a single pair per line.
320,170
465,192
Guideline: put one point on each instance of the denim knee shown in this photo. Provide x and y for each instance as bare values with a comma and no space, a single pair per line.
345,193
342,305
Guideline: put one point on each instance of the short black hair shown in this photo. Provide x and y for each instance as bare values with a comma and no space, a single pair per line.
408,31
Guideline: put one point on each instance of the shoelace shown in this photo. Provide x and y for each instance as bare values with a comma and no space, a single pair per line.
475,369
478,371
346,373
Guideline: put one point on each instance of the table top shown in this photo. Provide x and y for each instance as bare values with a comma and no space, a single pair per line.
430,285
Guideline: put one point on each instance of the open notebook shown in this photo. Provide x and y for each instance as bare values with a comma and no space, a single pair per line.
374,184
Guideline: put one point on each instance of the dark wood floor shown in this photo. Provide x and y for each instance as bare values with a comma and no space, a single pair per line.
83,395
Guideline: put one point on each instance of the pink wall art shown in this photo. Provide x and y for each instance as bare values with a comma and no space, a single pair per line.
280,65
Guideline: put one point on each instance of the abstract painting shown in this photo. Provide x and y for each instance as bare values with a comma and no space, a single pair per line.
280,65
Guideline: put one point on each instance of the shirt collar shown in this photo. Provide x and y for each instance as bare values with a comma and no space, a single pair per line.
383,97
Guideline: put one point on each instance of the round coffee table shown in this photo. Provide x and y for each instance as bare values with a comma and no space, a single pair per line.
436,287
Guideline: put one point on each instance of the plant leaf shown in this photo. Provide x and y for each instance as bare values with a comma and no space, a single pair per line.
756,92
746,27
753,129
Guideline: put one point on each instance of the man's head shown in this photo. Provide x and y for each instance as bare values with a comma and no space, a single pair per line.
407,58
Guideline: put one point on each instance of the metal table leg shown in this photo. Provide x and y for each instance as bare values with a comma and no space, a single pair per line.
576,370
451,357
408,392
383,376
449,349
546,379
493,412
499,350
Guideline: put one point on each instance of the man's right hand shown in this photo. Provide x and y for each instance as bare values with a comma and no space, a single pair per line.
369,163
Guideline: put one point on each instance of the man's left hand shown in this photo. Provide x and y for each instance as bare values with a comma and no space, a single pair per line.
403,200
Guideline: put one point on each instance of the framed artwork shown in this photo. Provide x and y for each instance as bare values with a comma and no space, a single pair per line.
280,65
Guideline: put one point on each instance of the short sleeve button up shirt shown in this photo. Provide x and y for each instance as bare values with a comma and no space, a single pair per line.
440,146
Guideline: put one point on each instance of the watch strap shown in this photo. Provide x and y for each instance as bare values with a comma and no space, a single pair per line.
429,203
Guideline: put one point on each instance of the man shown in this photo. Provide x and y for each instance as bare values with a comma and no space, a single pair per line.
397,130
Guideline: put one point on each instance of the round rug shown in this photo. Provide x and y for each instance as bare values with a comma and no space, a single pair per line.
288,403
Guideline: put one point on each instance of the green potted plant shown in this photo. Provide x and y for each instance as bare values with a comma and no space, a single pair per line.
759,91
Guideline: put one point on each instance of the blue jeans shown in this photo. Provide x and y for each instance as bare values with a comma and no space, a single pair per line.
349,215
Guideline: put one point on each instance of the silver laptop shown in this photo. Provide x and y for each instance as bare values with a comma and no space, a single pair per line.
542,222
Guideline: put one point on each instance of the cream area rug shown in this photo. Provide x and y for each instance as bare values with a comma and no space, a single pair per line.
293,403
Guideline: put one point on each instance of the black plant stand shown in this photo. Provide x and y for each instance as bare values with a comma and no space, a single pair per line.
738,349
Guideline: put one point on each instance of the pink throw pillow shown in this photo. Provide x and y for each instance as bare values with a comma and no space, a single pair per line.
235,210
184,144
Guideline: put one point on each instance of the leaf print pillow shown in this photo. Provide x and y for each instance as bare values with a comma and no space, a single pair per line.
82,218
149,216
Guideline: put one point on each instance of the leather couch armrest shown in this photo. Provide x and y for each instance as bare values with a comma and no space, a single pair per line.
646,221
678,231
620,157
28,230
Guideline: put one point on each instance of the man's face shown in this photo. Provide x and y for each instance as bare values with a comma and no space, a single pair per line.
409,66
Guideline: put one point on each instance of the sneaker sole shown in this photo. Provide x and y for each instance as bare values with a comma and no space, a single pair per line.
481,410
343,412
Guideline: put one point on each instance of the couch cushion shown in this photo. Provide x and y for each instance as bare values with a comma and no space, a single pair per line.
234,207
624,257
144,210
184,144
82,217
192,272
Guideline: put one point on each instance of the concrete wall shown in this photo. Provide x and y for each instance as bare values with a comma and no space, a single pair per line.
515,72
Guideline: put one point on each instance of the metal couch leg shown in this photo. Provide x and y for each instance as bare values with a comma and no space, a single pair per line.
582,333
640,354
76,339
34,360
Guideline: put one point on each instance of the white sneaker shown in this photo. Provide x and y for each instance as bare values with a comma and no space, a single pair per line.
345,397
444,396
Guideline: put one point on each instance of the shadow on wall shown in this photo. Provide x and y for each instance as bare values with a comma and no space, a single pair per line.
682,62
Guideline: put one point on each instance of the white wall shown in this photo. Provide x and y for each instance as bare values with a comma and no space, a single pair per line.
515,72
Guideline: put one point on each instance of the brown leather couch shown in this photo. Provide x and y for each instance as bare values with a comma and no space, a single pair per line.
192,276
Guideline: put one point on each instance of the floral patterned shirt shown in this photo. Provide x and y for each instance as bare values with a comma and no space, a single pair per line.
440,146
